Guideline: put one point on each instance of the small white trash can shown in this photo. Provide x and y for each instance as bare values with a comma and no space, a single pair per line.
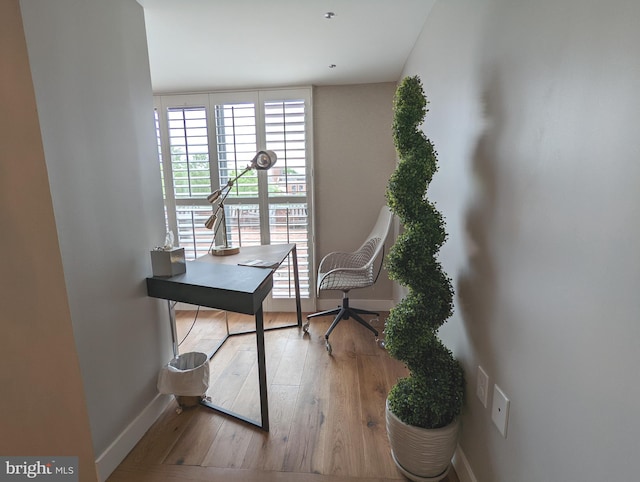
186,375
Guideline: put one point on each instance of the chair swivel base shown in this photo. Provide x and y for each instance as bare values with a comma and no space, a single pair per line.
343,312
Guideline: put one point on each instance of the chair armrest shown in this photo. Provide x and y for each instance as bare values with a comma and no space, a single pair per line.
336,259
339,259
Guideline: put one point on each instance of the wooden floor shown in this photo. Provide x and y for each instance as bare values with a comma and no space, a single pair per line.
326,411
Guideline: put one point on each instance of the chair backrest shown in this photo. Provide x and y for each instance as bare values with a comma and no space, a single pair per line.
375,241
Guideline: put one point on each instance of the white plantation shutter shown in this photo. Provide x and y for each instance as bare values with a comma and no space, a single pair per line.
156,116
236,145
285,134
208,139
236,142
189,145
187,173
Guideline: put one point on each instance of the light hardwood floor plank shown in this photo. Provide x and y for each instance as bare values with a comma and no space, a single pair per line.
343,441
374,387
194,443
305,452
266,451
291,365
178,473
161,437
326,411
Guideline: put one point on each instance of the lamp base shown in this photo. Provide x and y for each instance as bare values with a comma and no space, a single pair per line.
224,250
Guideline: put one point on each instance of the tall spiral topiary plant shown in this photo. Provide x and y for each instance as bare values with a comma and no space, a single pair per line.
432,395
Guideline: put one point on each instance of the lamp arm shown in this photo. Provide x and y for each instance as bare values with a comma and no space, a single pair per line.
263,160
246,169
213,197
219,196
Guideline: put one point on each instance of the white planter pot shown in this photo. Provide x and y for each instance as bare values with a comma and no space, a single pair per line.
421,454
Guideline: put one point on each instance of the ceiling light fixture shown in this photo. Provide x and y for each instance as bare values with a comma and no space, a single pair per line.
329,15
332,66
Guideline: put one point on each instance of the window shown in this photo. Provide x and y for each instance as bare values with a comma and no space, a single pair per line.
207,139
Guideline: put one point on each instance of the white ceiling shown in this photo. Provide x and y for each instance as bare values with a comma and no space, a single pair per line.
197,45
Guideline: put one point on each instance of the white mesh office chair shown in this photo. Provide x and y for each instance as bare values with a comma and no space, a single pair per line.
346,271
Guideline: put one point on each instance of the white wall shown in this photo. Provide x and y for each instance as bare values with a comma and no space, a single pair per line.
93,90
535,114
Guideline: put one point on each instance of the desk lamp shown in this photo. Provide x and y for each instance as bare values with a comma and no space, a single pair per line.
262,161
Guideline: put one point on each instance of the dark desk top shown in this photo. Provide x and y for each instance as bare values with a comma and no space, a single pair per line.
224,286
219,282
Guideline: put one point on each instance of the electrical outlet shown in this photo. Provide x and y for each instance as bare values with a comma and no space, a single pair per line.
500,410
482,386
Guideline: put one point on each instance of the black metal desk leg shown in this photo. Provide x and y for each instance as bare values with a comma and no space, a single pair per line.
262,370
296,279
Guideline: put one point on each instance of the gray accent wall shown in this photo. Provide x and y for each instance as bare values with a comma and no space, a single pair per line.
42,407
535,114
91,76
353,160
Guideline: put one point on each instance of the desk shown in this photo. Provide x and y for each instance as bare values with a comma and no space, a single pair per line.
220,282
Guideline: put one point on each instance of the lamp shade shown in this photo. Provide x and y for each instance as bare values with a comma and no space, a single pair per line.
209,223
264,160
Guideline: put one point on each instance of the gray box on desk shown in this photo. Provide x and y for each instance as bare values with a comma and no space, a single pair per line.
168,262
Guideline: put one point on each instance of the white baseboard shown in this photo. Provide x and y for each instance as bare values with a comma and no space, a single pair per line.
463,469
109,460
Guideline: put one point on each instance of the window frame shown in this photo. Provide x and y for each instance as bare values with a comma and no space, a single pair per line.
208,101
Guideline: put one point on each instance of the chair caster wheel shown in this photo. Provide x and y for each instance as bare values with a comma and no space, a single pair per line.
305,327
328,346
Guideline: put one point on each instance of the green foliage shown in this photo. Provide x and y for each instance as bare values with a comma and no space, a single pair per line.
432,399
433,394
